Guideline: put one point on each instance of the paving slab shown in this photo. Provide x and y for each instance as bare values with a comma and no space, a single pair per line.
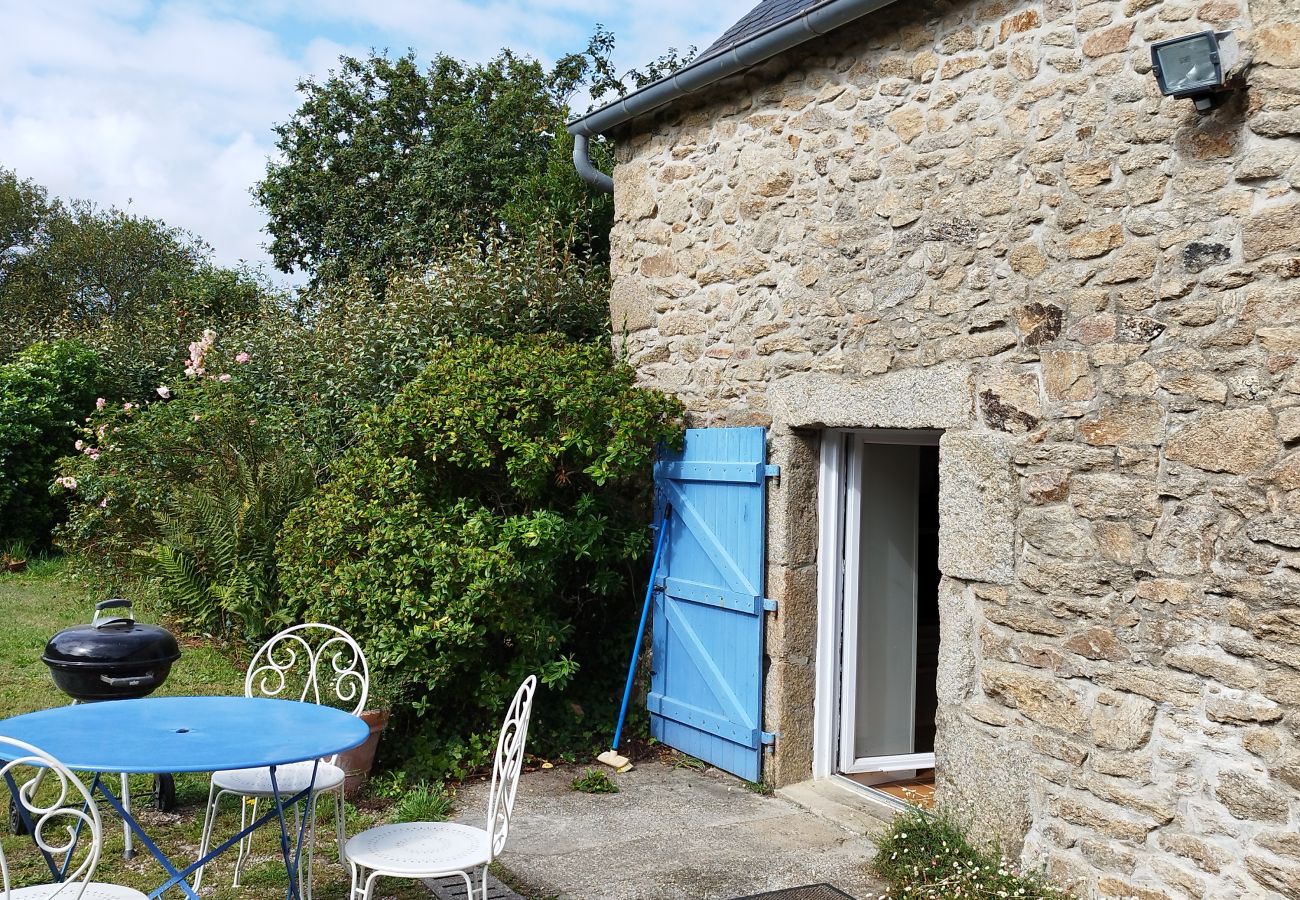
670,832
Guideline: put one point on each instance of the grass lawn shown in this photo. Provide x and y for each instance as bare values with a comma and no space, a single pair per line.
37,603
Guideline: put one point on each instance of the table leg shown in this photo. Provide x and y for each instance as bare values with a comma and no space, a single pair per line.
128,848
177,878
291,863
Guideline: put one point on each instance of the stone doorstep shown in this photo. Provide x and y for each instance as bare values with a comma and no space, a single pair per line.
854,809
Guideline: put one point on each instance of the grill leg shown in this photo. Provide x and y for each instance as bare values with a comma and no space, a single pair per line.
128,839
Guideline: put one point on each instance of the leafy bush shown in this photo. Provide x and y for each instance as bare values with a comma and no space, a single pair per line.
43,393
930,855
424,802
594,781
130,288
356,349
490,523
191,491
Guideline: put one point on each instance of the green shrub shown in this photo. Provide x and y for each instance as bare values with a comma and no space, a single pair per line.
355,349
190,491
930,855
44,392
594,781
489,523
424,802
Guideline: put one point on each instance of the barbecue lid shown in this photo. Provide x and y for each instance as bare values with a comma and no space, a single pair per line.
113,638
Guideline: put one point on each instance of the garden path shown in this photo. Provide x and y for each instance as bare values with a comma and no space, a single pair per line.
670,832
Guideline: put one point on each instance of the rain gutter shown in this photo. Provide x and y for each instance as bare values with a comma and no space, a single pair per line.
820,19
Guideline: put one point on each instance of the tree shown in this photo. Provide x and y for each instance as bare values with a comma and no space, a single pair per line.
383,164
129,287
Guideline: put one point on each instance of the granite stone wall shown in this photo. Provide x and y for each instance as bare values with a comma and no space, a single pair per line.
982,217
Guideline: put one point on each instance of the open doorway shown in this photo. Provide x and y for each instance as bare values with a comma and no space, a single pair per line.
885,610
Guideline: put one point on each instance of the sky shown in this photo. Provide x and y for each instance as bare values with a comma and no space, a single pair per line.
167,108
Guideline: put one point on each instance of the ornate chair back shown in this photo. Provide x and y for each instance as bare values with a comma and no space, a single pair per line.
314,663
508,763
61,812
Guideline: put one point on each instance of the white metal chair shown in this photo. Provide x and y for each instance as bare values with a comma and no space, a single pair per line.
436,849
56,800
317,663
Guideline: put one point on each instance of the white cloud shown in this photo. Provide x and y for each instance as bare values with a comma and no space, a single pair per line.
169,108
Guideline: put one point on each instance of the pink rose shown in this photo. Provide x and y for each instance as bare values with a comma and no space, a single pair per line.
242,357
100,403
78,445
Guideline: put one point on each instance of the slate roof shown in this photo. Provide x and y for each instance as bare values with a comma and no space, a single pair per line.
767,14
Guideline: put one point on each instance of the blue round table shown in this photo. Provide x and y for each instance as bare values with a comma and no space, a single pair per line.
191,734
187,734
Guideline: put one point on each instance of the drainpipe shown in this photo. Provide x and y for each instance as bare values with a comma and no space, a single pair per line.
587,170
820,19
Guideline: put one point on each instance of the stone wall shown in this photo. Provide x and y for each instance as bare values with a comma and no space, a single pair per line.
982,217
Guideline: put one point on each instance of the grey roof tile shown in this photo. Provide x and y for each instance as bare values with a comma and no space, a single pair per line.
765,15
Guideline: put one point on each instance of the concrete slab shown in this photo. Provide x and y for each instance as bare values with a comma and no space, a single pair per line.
669,833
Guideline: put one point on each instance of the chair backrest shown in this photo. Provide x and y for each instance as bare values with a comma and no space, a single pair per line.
61,812
319,663
507,763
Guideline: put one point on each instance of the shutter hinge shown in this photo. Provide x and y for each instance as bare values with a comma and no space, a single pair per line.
768,738
772,471
769,605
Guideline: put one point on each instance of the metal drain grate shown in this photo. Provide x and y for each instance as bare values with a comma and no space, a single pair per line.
453,888
807,892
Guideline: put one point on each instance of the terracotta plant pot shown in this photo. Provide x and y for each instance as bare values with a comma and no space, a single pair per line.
358,761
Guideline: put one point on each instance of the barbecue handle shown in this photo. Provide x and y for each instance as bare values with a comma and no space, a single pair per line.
129,680
116,603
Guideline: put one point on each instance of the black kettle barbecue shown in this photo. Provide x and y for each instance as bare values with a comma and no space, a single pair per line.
113,658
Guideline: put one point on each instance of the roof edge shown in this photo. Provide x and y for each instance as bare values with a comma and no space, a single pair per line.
737,57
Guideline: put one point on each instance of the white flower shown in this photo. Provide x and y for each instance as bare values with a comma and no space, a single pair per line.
100,403
66,481
164,391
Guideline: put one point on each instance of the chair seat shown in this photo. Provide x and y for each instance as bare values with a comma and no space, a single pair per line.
420,849
94,891
291,778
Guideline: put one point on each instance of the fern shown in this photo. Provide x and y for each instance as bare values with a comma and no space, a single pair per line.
215,556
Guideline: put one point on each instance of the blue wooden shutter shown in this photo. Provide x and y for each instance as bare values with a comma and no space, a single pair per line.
706,690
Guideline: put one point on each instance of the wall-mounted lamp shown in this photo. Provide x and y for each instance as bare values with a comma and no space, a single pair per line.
1195,66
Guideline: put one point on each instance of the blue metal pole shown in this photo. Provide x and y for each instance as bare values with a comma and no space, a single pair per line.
640,631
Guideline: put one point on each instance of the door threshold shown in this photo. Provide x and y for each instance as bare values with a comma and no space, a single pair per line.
873,795
842,803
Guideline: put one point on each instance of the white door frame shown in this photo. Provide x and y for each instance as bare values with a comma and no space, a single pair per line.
839,521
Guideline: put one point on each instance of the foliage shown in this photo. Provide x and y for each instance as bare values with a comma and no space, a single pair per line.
382,164
43,392
129,287
191,491
931,855
593,781
595,67
359,348
424,802
489,523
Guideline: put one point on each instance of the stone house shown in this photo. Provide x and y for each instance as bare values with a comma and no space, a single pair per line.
978,278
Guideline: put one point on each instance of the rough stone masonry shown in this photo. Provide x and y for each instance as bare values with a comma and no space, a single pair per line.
982,217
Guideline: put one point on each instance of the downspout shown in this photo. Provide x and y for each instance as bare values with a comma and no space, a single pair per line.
587,170
822,18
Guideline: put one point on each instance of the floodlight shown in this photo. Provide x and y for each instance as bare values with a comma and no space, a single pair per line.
1195,65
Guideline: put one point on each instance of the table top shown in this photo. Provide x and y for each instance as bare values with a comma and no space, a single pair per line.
187,734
